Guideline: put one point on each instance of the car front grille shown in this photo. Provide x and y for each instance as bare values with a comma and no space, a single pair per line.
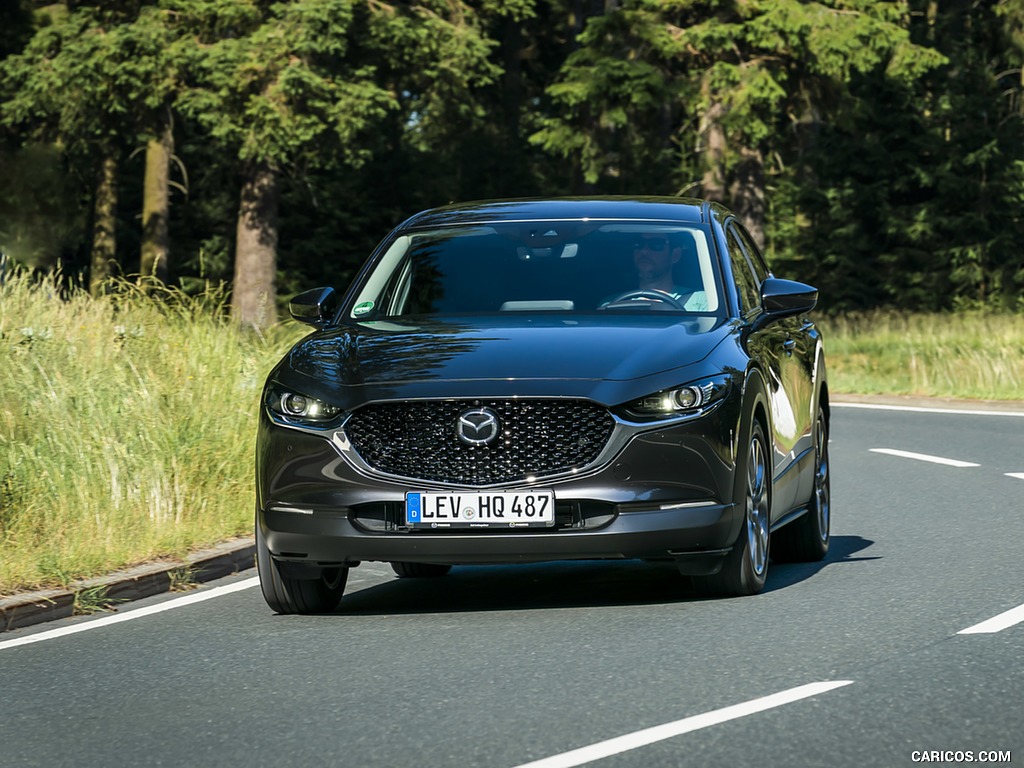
536,438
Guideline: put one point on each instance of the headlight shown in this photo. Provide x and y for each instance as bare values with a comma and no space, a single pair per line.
298,408
690,398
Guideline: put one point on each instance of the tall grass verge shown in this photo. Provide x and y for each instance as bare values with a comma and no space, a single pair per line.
967,355
127,429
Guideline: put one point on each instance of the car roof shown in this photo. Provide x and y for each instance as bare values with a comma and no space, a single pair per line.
675,209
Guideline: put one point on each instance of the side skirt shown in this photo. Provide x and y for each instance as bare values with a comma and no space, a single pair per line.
788,518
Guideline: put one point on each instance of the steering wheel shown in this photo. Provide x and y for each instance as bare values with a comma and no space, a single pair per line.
642,293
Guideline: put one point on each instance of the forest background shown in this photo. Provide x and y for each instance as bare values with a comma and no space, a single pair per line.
875,147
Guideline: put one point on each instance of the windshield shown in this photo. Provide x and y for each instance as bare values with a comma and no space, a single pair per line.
542,266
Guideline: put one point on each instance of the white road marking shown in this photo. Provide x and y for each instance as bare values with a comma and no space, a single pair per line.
661,732
996,623
1008,618
190,599
924,457
920,409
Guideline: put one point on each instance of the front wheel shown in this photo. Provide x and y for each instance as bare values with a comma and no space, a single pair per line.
746,566
284,594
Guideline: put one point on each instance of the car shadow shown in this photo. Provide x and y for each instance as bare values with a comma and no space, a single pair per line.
563,584
842,549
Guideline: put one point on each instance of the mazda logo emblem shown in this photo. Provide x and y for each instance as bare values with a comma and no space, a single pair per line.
477,427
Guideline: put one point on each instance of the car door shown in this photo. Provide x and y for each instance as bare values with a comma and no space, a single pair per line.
786,352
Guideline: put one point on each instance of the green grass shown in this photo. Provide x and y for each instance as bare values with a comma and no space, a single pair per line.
127,425
970,356
127,430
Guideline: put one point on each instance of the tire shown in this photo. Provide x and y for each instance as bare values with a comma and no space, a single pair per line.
420,570
806,539
304,596
745,568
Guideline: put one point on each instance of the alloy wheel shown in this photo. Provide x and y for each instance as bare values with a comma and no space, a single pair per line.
757,505
822,484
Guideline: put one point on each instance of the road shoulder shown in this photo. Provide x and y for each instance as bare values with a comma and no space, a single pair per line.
115,589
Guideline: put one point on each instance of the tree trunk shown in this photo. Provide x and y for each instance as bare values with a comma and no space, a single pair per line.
512,41
714,145
253,298
740,185
153,266
103,260
746,192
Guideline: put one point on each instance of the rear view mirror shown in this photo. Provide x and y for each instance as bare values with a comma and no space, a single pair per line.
314,307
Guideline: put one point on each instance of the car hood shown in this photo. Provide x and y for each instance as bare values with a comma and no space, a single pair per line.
525,355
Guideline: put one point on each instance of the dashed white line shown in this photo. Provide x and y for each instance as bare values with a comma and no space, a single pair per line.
924,457
195,597
647,736
996,623
1018,475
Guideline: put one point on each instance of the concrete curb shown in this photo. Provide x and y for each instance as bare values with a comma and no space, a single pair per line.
26,609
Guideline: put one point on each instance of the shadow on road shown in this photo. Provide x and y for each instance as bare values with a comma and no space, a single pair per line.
564,584
842,549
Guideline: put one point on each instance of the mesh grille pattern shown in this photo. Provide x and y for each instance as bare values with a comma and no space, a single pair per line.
537,437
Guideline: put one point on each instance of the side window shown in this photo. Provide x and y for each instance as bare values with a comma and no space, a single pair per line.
748,294
757,261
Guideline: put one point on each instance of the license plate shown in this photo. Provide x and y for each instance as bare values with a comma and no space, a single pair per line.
498,509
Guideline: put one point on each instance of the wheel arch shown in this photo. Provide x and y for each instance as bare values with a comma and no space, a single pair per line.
820,374
755,398
755,403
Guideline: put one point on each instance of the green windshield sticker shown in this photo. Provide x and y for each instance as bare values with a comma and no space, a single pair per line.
363,308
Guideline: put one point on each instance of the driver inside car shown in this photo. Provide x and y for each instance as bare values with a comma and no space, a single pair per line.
654,257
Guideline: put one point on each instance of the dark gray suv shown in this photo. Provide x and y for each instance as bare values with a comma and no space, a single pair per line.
524,381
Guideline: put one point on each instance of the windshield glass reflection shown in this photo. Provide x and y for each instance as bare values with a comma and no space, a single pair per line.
542,266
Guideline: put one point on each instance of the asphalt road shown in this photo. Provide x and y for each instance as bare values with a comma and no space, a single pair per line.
857,661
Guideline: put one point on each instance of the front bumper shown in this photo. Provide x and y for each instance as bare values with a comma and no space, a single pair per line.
667,494
330,538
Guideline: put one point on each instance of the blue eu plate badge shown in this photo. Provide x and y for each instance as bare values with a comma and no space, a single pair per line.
413,508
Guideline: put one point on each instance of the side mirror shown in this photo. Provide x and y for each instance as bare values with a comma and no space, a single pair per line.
315,307
784,298
781,298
